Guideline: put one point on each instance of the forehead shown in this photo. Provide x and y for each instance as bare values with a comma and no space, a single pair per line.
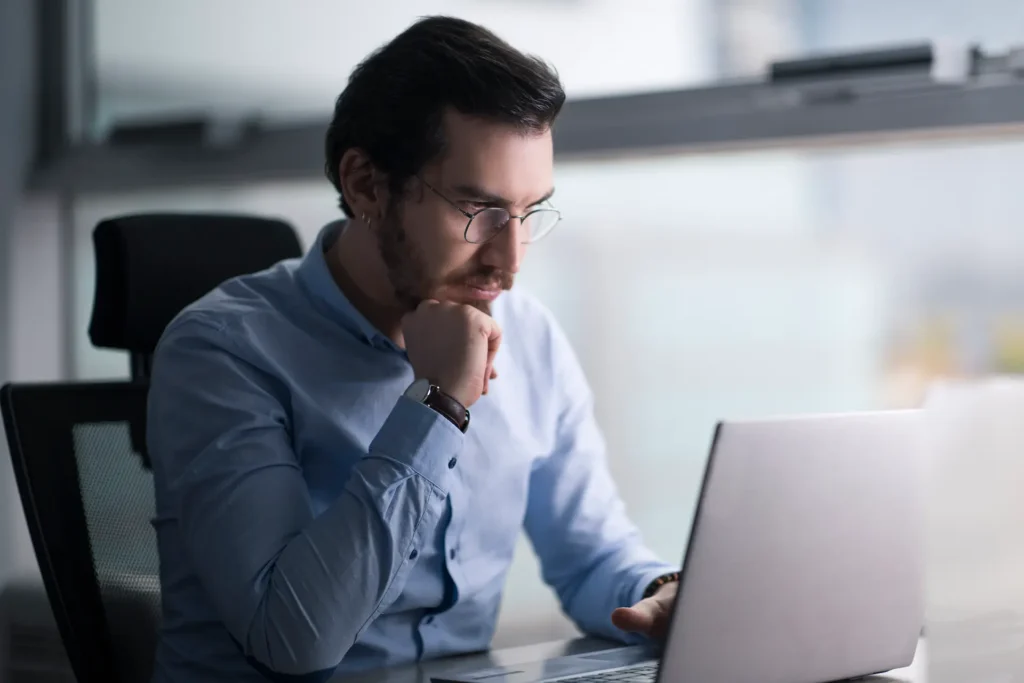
496,157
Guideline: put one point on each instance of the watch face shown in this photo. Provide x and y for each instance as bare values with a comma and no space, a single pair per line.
418,390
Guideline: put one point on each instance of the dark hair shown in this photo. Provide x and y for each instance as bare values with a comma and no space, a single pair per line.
394,103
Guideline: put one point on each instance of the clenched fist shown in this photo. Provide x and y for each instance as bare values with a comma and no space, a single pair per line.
453,346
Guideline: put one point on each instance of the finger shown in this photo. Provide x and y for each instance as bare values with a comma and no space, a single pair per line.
641,616
421,306
494,373
493,342
659,630
632,620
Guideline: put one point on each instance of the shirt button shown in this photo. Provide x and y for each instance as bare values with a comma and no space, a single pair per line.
428,620
451,554
451,463
414,554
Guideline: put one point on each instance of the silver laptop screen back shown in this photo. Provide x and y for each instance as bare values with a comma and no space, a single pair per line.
805,563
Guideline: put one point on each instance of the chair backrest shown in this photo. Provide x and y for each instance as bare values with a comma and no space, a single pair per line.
79,451
151,266
88,501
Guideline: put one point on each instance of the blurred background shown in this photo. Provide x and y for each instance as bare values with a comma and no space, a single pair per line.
736,242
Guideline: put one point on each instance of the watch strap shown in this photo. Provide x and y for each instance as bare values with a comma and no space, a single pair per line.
441,402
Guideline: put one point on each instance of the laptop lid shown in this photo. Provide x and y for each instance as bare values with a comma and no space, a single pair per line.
806,561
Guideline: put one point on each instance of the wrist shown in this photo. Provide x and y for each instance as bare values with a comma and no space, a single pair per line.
665,579
450,390
431,395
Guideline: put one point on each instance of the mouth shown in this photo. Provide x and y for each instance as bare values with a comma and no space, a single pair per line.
474,293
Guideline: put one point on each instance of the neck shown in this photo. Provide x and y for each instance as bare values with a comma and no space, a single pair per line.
356,266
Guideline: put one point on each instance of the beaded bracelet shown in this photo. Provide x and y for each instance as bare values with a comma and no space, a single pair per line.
653,586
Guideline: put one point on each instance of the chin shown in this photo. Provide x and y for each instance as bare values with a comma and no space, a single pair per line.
484,306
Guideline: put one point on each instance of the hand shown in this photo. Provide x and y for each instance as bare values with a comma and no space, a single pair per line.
650,616
453,346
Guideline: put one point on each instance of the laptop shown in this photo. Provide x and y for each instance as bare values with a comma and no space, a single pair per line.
805,561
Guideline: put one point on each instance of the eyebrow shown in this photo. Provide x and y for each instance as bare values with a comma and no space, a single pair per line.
481,196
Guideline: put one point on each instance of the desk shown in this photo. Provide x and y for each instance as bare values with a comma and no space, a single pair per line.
421,673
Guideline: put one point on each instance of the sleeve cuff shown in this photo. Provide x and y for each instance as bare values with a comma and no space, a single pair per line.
421,438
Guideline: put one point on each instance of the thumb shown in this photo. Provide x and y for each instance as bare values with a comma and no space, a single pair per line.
636,619
421,306
493,342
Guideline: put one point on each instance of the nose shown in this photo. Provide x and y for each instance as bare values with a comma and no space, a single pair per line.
505,251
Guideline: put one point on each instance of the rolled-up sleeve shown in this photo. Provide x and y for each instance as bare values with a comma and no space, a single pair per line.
295,591
590,552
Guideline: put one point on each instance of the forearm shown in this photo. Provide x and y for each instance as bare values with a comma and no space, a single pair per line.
616,579
296,591
346,567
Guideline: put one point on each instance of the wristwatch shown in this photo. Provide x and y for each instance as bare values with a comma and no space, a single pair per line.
430,395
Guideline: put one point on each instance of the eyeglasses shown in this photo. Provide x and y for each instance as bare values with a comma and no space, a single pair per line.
485,224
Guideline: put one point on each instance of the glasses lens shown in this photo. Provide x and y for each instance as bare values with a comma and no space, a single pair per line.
540,223
486,225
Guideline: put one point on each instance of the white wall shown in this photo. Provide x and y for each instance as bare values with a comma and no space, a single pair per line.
18,117
35,332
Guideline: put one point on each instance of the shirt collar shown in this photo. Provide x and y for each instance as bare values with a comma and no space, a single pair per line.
314,274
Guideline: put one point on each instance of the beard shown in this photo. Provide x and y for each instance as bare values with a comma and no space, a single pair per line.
409,274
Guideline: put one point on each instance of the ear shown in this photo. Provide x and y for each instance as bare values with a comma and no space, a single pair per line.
362,185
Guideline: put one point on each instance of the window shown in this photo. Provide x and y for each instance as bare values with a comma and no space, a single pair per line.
271,58
735,285
753,33
268,58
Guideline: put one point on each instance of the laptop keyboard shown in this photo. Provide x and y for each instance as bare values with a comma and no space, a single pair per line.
641,673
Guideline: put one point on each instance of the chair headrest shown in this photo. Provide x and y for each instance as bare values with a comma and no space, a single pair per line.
151,266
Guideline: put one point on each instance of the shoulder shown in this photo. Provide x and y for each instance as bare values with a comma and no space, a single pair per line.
239,308
227,343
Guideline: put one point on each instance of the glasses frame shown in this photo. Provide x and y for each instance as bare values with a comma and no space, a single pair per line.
471,215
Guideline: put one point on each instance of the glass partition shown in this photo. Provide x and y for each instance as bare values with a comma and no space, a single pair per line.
283,63
697,288
287,62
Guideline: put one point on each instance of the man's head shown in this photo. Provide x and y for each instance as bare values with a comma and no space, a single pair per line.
445,120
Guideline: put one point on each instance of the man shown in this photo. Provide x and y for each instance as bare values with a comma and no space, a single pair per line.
325,499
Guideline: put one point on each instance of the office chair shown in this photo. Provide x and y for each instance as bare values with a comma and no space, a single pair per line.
79,449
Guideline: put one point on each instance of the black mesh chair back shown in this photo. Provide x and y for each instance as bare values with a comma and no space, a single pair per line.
79,449
88,498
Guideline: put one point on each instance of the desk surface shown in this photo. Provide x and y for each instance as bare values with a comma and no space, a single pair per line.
421,673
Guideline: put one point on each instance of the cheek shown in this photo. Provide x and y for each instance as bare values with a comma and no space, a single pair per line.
439,243
454,263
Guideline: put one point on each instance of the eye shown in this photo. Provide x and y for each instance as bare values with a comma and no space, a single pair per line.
475,207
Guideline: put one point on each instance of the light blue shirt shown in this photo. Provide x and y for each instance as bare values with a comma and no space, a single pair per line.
311,519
